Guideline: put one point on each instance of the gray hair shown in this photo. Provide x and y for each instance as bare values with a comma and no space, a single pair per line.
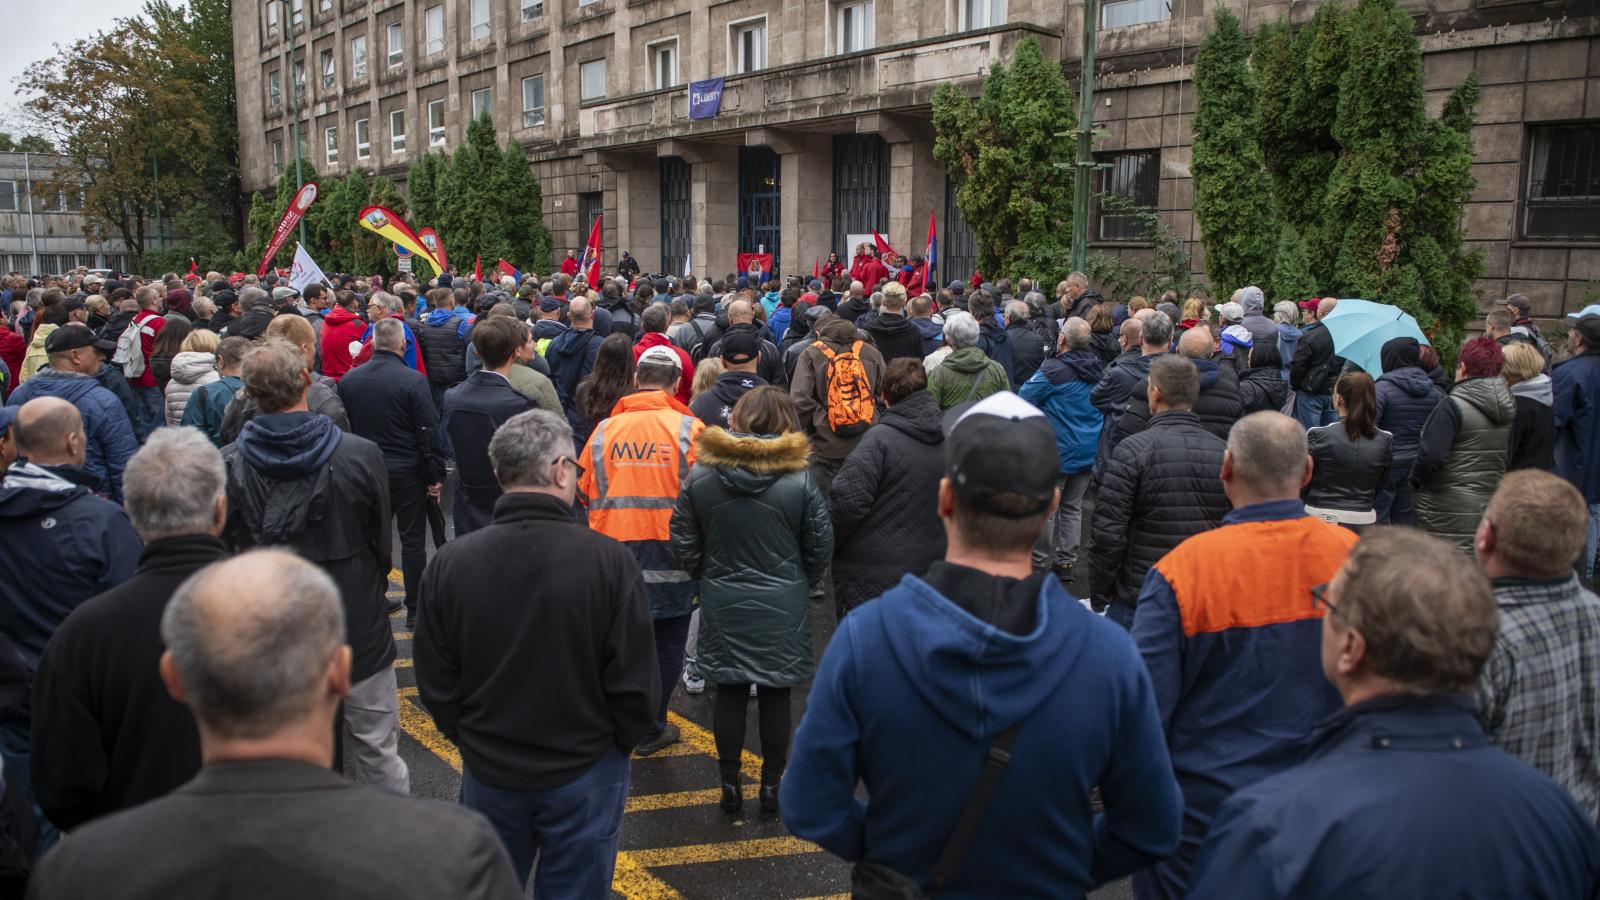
876,299
1078,279
389,334
1016,312
252,297
1157,328
204,307
527,445
1269,451
1076,333
390,303
960,330
172,484
251,638
1285,312
1036,304
272,375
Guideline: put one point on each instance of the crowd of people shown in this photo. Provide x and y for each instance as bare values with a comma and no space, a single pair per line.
1334,633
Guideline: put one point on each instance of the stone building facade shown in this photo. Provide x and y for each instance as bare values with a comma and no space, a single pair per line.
824,125
41,231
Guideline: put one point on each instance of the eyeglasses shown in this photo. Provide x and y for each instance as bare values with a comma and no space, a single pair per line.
565,459
1319,597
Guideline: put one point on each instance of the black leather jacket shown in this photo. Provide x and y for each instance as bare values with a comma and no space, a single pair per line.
1347,472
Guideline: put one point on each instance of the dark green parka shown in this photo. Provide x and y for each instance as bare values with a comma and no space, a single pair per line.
753,527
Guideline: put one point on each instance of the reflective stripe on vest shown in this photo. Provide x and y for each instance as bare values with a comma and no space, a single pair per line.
633,494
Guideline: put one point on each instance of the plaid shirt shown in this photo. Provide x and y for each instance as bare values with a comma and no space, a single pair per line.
1540,695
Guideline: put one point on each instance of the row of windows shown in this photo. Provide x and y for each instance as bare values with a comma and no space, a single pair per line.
482,102
14,194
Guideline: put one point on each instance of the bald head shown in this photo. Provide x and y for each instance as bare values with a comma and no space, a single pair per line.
580,311
49,432
1132,333
740,312
1196,343
1326,306
255,646
1266,459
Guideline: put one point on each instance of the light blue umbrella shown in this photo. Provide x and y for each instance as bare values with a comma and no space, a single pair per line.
1360,328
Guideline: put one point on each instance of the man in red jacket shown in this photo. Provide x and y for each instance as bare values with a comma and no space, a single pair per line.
12,349
654,321
341,329
569,266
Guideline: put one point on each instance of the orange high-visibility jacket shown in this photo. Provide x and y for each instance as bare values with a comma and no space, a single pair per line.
635,463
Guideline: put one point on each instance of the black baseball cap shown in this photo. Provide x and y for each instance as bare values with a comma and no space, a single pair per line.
74,335
1000,456
740,347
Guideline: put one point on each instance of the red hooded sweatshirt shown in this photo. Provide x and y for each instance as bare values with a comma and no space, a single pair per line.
657,339
340,329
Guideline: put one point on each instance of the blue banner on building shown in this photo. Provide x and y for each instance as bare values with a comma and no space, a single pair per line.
705,98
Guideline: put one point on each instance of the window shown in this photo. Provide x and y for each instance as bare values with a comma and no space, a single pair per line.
480,19
397,44
1136,178
397,130
972,14
358,57
587,2
749,49
272,19
1563,191
482,99
327,69
435,123
1121,13
49,201
855,27
433,30
299,81
8,196
532,101
363,140
592,80
330,138
277,158
297,12
274,89
300,143
664,64
532,9
325,5
75,200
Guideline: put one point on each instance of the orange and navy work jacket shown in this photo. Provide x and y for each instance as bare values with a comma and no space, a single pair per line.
632,469
1233,643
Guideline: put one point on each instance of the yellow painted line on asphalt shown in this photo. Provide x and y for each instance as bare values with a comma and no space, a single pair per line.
683,799
403,662
758,848
397,577
680,749
630,879
402,635
829,897
702,740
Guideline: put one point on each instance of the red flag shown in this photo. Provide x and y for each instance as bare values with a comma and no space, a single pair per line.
296,210
590,265
193,265
508,269
477,269
883,245
435,245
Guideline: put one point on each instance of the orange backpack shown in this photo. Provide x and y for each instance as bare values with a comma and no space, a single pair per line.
850,406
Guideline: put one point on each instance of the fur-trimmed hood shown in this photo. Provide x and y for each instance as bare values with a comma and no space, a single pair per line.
749,463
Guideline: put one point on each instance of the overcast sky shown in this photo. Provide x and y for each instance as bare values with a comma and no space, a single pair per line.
37,24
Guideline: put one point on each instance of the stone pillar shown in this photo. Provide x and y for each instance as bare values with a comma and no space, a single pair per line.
805,215
713,201
639,210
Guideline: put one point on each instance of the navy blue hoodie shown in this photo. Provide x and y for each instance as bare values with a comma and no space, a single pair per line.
910,695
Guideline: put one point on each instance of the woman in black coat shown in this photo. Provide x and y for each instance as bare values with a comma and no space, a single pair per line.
1533,432
1350,458
885,498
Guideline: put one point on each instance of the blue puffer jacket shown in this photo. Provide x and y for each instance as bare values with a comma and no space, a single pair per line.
1577,411
1061,389
105,423
1401,797
778,322
1405,397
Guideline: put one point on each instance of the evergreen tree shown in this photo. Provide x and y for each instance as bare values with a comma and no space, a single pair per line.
1003,151
1233,201
1291,272
1396,192
521,220
422,189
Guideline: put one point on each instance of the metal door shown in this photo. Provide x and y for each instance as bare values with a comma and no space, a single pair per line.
959,255
675,214
860,188
759,201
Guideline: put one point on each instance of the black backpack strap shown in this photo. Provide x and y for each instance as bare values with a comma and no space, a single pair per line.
982,792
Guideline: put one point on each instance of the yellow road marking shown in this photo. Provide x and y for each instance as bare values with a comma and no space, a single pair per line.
407,692
701,740
402,635
682,799
403,662
419,725
397,577
680,749
634,881
757,848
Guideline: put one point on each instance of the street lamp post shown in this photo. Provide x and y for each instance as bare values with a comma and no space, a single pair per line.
1084,164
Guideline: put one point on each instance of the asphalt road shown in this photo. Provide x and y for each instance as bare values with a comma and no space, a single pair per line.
675,841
